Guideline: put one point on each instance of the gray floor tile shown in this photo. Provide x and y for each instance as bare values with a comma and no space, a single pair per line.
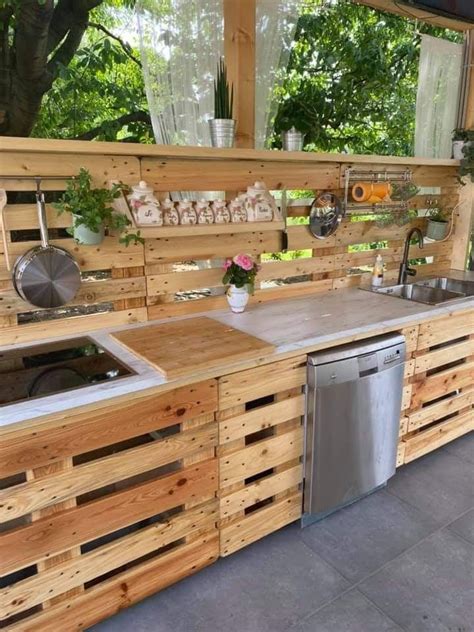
440,484
362,537
159,613
352,612
429,589
267,586
464,526
463,447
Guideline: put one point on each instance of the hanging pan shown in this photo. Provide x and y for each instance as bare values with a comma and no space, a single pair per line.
325,215
46,276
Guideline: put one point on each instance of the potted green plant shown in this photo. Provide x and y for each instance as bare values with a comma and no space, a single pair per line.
460,137
437,223
291,123
222,126
239,276
467,160
92,212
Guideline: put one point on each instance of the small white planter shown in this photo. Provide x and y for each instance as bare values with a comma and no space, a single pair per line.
237,297
457,149
84,235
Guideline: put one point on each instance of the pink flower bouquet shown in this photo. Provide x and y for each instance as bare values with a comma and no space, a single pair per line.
240,271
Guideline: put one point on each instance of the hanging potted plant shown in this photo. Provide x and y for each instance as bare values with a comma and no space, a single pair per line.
222,126
240,273
437,223
92,212
291,123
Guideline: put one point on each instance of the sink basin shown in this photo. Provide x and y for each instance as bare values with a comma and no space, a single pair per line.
420,293
452,285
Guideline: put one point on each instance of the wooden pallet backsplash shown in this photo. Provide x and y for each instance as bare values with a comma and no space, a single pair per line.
169,276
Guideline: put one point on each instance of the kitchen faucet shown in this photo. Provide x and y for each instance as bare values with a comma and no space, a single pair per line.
405,270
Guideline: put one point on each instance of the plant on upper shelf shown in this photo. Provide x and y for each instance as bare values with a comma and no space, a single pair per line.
292,113
292,119
223,93
92,212
459,139
222,126
460,134
466,167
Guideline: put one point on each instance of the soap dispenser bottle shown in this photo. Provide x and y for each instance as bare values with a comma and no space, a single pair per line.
377,275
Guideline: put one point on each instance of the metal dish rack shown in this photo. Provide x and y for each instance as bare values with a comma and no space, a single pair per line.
383,208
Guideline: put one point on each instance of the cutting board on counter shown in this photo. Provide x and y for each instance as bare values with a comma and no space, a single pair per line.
192,345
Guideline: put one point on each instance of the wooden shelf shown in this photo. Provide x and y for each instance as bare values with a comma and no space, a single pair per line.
167,152
209,229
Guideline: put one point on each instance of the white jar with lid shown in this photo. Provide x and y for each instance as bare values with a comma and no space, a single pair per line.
144,205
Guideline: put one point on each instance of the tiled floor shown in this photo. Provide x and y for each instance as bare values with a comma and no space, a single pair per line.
401,559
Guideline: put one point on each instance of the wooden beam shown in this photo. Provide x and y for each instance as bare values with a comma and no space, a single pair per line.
407,11
239,52
469,113
463,225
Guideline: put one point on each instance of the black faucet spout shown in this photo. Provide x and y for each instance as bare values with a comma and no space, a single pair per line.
405,270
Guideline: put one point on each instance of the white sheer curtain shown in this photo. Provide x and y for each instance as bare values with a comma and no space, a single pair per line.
275,29
181,42
437,99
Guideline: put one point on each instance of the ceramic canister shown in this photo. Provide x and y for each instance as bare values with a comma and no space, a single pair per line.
170,213
145,207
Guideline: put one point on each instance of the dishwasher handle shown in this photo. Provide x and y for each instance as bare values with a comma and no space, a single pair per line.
358,367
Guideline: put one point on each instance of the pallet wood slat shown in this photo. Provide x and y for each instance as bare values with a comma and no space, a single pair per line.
34,495
441,403
84,431
72,573
123,590
260,451
107,501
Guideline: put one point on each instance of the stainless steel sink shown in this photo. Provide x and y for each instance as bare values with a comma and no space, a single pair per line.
420,293
452,285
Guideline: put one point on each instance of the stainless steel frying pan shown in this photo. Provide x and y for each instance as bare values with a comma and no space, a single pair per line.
46,276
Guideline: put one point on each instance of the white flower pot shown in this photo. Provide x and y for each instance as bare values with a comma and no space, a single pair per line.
457,149
237,297
84,235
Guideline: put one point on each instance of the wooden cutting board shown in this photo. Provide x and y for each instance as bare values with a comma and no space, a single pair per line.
192,345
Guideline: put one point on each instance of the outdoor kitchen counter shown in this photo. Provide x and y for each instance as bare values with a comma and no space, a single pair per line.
293,326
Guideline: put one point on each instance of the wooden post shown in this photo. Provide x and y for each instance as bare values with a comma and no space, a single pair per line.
239,52
463,220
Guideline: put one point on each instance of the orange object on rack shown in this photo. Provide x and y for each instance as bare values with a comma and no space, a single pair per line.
372,192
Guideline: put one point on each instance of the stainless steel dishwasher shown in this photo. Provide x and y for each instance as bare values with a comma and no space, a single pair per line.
353,406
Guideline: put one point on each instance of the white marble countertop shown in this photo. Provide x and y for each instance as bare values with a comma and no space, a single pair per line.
295,325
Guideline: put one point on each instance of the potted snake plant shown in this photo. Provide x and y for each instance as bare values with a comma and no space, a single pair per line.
222,126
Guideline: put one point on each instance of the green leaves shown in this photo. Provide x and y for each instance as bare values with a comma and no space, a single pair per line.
352,79
223,94
91,206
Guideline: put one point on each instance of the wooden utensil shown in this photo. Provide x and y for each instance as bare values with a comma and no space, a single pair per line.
3,203
192,345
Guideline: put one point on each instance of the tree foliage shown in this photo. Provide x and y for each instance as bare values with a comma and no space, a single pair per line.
70,69
65,74
352,78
